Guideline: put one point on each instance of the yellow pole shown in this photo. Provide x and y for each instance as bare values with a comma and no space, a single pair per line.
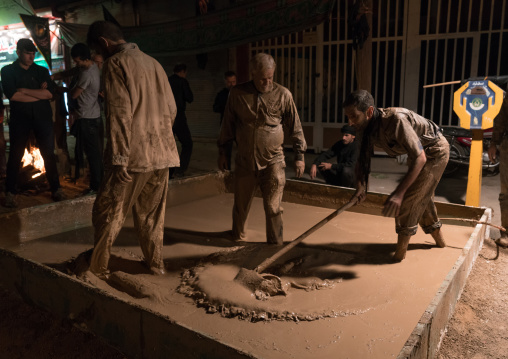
474,182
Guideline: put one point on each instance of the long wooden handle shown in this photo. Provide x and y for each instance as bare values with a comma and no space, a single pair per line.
268,261
442,84
501,228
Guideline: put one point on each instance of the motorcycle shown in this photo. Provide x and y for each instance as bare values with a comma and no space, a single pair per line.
460,141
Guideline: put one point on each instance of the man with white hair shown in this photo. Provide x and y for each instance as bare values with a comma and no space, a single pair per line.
257,114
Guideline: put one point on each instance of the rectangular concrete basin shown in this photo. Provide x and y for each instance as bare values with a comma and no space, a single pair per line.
383,310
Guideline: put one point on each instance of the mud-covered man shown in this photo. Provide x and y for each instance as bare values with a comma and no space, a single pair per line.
140,111
400,131
500,141
257,114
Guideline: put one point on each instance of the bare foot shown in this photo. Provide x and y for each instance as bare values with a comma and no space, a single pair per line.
157,271
104,275
229,236
502,242
400,251
438,238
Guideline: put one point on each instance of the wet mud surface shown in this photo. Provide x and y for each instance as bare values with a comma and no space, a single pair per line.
307,291
367,307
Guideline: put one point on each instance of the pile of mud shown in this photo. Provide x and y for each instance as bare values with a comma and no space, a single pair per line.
308,274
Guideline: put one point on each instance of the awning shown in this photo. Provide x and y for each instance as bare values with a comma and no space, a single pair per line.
10,10
239,24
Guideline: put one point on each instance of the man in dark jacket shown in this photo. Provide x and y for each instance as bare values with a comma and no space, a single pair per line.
221,99
3,145
183,94
346,151
29,88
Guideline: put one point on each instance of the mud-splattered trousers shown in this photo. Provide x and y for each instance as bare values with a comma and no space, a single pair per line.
257,122
503,174
271,181
500,139
418,204
140,111
146,195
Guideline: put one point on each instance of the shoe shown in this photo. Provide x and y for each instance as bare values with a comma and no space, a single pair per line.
58,195
10,200
89,192
179,174
70,179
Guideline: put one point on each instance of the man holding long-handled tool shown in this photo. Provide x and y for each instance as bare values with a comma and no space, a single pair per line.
400,131
256,116
500,138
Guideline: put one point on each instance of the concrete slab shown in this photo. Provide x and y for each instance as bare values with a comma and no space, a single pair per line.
399,309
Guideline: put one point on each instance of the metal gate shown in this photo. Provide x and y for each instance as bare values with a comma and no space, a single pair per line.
455,48
414,43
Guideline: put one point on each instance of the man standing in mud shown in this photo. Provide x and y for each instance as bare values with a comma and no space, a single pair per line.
140,148
500,142
256,116
400,131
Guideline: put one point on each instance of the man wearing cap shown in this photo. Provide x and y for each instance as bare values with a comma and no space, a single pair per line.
346,151
29,88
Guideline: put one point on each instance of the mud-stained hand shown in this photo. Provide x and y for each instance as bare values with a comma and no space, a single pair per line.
492,153
392,205
299,168
121,174
222,162
313,171
360,195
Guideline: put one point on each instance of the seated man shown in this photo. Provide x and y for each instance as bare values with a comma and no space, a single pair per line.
346,150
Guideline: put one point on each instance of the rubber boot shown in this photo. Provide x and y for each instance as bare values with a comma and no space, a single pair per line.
438,238
400,251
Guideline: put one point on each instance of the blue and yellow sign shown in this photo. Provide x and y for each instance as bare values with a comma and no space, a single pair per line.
477,103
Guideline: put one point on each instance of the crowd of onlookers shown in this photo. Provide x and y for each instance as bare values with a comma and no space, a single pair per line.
72,102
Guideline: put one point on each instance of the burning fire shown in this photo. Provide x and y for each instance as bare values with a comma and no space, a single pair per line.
34,158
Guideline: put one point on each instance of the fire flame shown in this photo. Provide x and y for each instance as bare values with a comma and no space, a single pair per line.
34,158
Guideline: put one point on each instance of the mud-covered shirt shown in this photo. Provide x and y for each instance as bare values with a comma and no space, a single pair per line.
402,131
500,124
257,121
140,111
